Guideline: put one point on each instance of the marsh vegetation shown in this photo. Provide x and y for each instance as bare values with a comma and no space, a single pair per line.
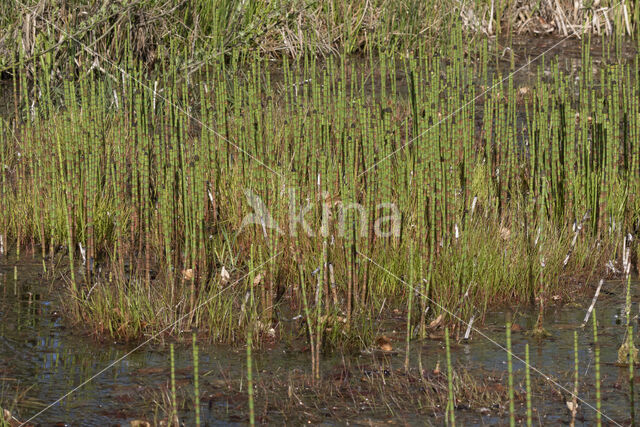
258,174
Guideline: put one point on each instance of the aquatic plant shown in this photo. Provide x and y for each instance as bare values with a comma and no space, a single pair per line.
451,403
512,415
573,404
206,31
174,400
597,369
196,380
240,195
528,386
157,190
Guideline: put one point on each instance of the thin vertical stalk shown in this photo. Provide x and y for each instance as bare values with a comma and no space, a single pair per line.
528,384
597,362
574,398
451,404
512,417
196,385
252,420
174,401
409,307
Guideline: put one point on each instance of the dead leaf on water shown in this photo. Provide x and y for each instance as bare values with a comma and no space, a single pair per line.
384,343
436,322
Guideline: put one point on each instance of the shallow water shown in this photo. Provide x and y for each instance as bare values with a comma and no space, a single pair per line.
43,359
554,357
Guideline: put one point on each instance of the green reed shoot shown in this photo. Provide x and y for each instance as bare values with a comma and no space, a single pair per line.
174,401
528,385
512,415
409,308
451,420
597,368
632,366
252,420
574,397
196,381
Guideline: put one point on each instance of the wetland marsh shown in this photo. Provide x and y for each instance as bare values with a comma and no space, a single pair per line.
358,225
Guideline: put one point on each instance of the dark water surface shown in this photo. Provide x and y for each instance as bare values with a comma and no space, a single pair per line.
41,360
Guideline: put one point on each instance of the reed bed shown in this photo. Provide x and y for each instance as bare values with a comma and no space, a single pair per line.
252,194
212,30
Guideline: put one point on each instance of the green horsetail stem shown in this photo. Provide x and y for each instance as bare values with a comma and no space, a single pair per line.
451,420
574,398
512,415
597,368
174,401
196,380
528,385
252,420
